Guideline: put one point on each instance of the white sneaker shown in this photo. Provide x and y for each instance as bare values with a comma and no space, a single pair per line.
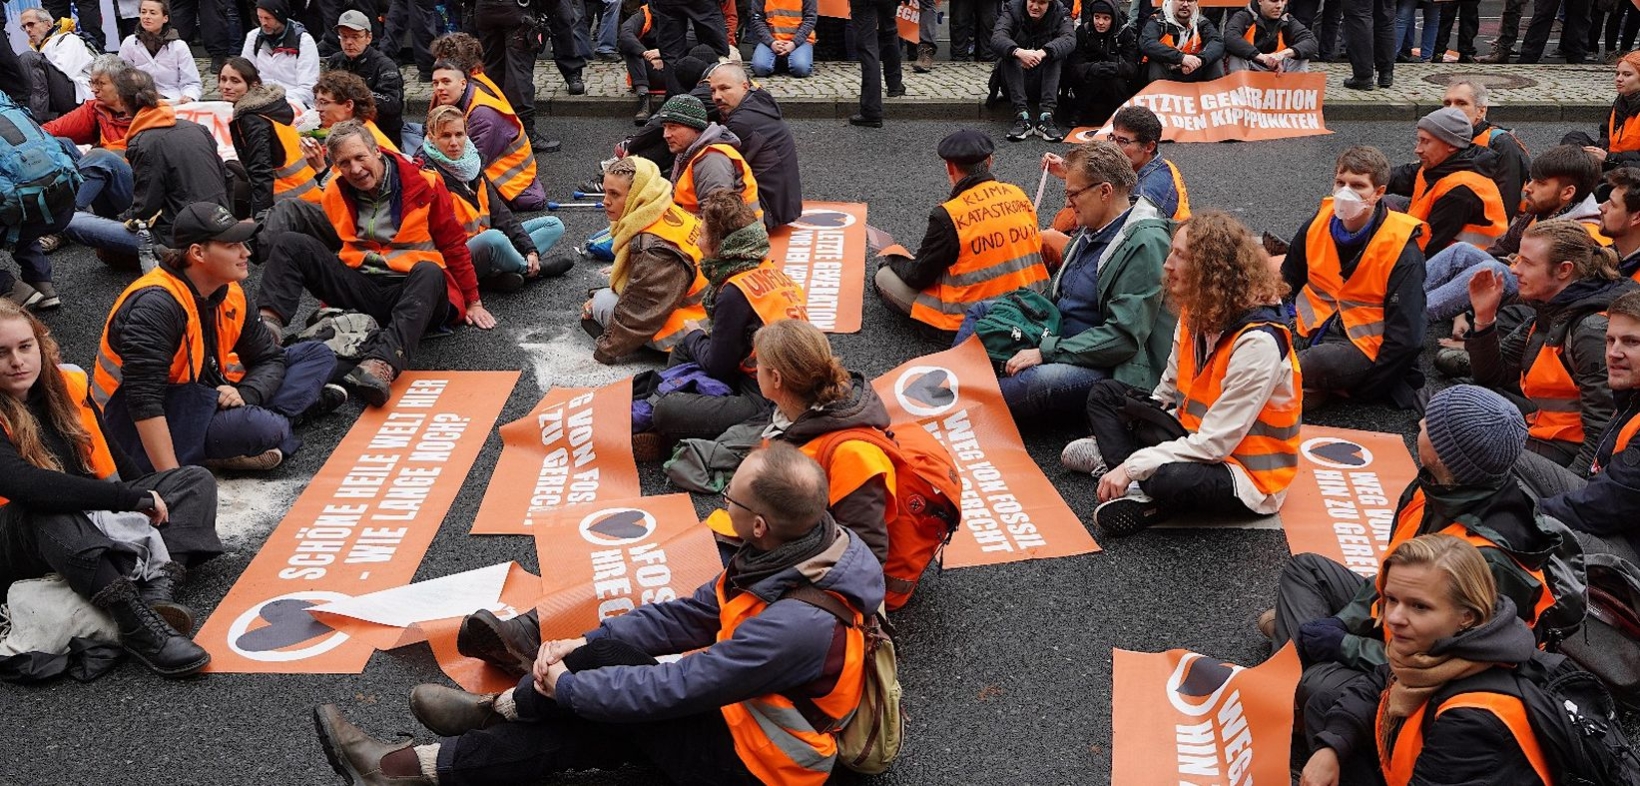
1083,455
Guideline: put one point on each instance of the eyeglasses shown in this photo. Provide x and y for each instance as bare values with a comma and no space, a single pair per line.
728,500
1072,193
1122,141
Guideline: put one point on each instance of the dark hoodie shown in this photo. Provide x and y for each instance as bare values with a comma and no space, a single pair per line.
254,138
767,144
173,165
863,509
1461,745
1461,206
1015,29
1285,29
1574,321
1111,54
1610,505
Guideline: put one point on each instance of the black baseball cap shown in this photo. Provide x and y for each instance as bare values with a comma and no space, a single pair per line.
205,221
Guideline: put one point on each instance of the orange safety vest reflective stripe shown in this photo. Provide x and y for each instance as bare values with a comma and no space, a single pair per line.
683,192
1281,38
1000,251
513,170
1623,138
411,243
648,21
783,18
190,358
773,295
1269,452
100,459
682,230
1361,297
1398,763
293,178
474,218
775,740
1410,518
1550,386
1425,196
1182,212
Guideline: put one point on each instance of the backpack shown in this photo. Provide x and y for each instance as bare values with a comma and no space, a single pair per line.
927,500
868,742
1609,644
1018,320
37,179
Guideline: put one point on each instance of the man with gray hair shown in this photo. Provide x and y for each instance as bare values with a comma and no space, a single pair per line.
57,65
403,259
1513,164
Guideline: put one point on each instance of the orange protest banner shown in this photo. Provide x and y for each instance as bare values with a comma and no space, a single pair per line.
1182,719
472,674
360,526
574,448
608,560
1010,510
1246,106
824,251
1342,504
906,17
216,117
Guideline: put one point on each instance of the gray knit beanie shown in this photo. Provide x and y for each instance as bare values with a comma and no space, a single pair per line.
1450,125
1477,434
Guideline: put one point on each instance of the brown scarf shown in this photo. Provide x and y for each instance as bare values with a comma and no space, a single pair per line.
1413,679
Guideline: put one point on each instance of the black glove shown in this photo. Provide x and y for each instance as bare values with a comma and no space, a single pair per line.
1321,641
1104,69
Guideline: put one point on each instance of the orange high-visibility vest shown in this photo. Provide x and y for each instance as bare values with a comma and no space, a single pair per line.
1361,297
773,296
1194,46
783,18
1281,39
1000,252
1410,518
1269,452
1484,138
1623,138
99,459
474,218
682,230
412,243
772,737
1181,212
1550,386
1624,435
293,178
1398,763
513,170
683,192
191,357
1424,197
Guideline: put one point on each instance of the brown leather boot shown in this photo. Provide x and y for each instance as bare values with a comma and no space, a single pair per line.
1500,57
925,59
448,712
356,755
509,645
373,379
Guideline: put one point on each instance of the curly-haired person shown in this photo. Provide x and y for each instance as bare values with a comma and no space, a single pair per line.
1219,434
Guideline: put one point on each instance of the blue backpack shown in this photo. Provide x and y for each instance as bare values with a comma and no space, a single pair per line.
37,178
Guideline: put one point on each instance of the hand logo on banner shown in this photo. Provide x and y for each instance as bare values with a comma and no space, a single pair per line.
1342,504
824,251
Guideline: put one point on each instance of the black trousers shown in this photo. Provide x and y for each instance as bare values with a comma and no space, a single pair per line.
217,21
89,23
1369,35
405,306
1124,419
1312,587
1574,32
1024,84
877,41
674,20
1467,13
683,415
320,20
971,25
421,17
1331,16
1332,364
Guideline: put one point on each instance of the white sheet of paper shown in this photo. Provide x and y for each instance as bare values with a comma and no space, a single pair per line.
433,599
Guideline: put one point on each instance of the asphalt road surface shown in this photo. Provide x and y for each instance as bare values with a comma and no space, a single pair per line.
1006,670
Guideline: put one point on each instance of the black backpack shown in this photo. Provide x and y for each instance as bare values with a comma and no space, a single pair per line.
1608,646
1575,723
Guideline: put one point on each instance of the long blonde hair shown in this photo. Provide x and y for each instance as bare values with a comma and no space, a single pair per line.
19,422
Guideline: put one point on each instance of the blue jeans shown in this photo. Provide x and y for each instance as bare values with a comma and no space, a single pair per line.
107,187
800,63
1039,391
609,23
104,233
494,254
252,430
1406,31
1446,279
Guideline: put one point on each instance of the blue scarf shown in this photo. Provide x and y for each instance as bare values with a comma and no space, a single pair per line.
465,169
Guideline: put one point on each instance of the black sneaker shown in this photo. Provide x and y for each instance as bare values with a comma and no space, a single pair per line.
505,282
1048,129
556,266
1124,516
865,122
1021,129
577,87
897,92
593,187
331,398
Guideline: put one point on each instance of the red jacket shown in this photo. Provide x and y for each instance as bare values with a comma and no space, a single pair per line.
91,124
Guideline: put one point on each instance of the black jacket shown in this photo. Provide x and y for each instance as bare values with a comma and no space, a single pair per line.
1395,375
1015,29
147,333
1287,29
1151,46
863,510
254,139
719,352
1573,320
1113,53
940,247
1610,504
1461,206
1513,166
386,86
73,489
767,145
172,167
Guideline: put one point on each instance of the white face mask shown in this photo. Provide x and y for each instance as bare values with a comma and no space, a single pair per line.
1348,205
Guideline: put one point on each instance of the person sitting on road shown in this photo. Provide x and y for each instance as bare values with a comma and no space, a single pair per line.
1032,40
1555,359
403,259
1138,131
1513,164
1357,276
957,265
707,156
749,650
58,63
655,286
102,124
1451,188
1108,294
1264,37
183,325
1103,67
744,292
1562,184
339,96
1620,218
1619,141
156,48
1453,635
1180,44
784,35
1219,434
283,52
648,74
502,140
766,142
266,141
506,251
60,477
379,72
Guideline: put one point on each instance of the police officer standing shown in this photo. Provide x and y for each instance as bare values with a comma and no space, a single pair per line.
512,33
